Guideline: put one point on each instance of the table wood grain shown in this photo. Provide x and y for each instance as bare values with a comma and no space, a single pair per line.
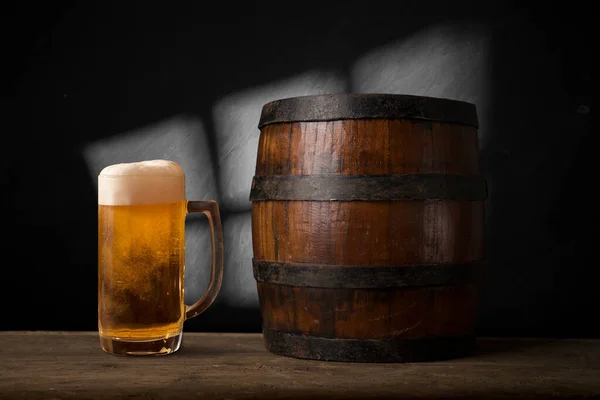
71,365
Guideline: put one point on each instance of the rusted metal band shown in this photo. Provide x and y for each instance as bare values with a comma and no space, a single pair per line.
369,187
429,348
364,277
329,107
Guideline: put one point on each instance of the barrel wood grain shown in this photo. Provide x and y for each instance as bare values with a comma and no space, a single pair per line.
294,222
361,313
396,232
367,147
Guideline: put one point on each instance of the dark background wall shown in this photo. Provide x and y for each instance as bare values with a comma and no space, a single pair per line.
86,85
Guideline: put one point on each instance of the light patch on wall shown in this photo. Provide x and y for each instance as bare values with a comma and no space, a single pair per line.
184,140
449,60
181,139
236,125
239,285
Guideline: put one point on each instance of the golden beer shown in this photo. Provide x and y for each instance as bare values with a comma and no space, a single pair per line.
141,226
141,258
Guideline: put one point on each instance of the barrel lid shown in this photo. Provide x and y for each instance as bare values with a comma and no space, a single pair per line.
328,107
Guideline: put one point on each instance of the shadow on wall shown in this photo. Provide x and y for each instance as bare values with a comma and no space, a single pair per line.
537,158
105,85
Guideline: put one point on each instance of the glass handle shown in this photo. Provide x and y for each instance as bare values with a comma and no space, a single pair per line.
211,210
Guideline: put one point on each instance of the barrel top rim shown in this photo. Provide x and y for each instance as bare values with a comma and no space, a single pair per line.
339,106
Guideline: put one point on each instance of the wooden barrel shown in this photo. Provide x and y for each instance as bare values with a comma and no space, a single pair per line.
368,227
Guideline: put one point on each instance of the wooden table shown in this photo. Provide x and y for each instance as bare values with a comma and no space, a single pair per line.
71,365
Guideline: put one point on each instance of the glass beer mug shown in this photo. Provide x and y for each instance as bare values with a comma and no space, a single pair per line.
141,224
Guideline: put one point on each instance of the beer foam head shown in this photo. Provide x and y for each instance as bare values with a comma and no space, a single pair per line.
143,182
